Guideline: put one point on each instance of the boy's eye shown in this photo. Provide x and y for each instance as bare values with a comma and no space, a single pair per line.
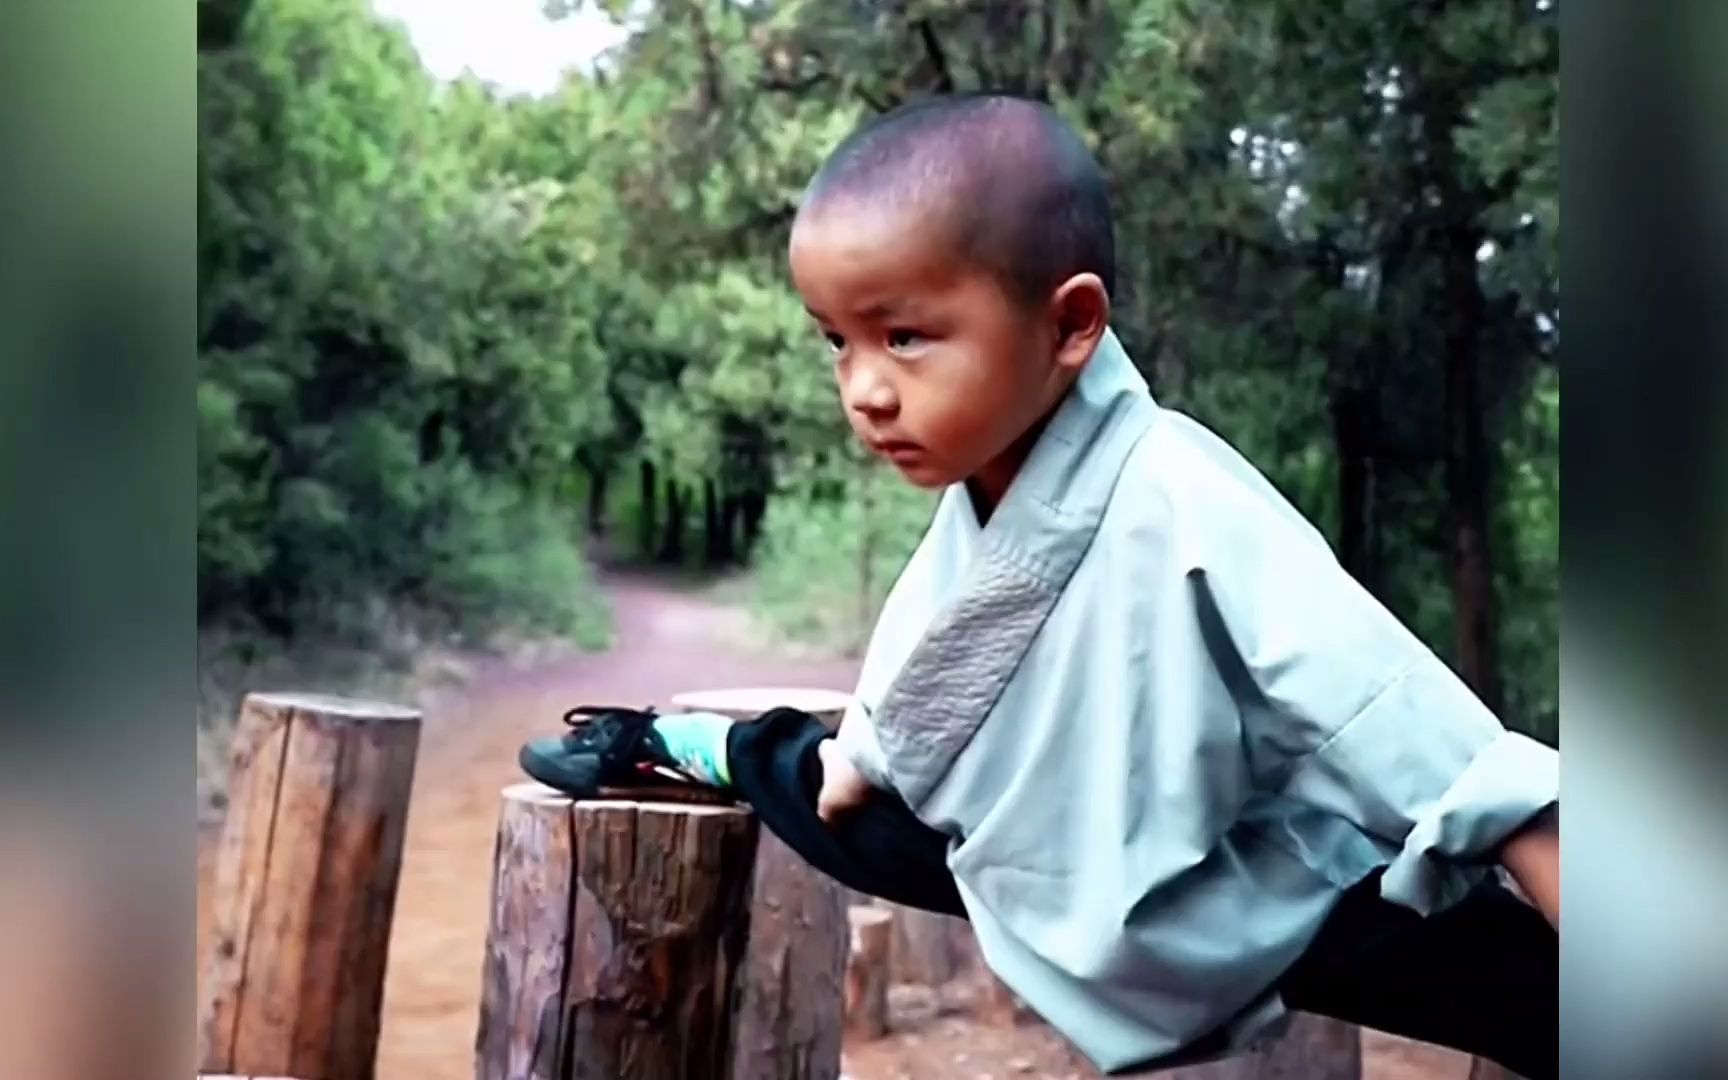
835,341
904,339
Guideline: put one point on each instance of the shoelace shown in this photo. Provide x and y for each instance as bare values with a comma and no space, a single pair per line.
583,714
605,720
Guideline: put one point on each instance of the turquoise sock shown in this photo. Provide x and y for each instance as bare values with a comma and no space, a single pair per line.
697,741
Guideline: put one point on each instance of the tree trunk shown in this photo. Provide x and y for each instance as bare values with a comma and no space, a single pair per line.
790,1005
672,541
1357,540
1462,311
650,492
616,940
866,997
731,511
755,505
710,524
728,548
597,484
1467,472
305,886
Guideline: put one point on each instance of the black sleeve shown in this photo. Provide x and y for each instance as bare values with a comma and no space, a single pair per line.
879,848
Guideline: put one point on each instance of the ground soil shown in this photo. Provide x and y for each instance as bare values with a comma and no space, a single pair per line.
670,636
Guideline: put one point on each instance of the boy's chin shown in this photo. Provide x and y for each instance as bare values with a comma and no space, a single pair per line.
926,476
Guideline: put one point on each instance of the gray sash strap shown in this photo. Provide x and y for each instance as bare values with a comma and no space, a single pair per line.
1030,548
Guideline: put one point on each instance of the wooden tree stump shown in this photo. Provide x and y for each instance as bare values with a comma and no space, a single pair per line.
616,939
789,1022
1314,1048
929,949
305,886
1483,1069
866,991
999,1006
527,936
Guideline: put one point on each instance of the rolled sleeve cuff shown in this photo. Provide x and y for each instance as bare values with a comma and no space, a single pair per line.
1509,782
856,740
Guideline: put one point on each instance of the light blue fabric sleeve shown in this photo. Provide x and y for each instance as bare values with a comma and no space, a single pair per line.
856,741
1343,708
1426,767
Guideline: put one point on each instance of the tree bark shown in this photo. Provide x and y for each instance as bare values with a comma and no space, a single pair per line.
527,937
866,996
305,886
790,1006
616,939
658,935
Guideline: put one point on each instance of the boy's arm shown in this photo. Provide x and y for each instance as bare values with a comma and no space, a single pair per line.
1532,857
852,765
1344,709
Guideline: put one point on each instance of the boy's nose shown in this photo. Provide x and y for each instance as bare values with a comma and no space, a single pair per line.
869,394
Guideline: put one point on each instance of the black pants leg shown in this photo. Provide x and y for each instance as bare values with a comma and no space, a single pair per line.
1481,977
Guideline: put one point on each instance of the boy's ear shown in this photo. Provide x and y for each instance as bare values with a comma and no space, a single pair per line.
1080,308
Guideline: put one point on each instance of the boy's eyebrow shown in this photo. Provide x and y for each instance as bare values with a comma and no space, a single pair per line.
880,309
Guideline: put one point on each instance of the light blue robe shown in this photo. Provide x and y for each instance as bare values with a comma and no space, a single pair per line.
1166,729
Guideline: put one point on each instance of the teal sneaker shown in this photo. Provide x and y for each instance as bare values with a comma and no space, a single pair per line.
605,747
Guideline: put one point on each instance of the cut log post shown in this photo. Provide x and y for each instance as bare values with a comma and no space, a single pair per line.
866,996
999,1006
929,949
527,937
1483,1069
305,886
1313,1048
616,939
789,1021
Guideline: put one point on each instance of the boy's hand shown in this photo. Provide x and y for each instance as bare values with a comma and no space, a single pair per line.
1533,857
843,786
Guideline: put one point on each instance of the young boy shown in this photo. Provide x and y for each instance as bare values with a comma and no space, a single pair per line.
1123,710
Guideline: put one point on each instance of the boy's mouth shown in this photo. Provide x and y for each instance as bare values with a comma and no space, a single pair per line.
895,449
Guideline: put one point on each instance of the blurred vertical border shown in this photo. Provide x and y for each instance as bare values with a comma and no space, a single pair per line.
1644,154
97,322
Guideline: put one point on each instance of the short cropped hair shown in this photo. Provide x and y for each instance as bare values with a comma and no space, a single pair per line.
1023,196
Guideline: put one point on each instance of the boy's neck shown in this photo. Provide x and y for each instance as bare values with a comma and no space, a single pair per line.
989,485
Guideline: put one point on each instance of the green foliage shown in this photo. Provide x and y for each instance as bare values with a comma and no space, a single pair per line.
1529,524
828,561
439,321
397,345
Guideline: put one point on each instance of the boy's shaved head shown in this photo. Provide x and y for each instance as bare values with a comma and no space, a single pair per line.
1006,180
